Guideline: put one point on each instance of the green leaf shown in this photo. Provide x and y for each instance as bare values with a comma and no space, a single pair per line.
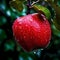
55,31
17,4
42,9
57,25
57,10
56,21
47,5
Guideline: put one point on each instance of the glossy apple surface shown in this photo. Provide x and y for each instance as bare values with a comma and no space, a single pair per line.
32,31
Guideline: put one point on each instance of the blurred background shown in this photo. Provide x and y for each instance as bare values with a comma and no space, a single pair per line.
10,50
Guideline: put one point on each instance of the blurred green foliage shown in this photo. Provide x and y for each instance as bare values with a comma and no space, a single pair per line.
10,50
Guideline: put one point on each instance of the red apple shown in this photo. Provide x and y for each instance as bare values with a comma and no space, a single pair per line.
32,31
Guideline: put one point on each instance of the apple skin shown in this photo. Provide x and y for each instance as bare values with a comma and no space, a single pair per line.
32,31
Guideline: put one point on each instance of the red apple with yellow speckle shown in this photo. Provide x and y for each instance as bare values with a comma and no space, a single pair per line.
32,31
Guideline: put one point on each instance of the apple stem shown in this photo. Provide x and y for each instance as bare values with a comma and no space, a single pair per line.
28,6
34,2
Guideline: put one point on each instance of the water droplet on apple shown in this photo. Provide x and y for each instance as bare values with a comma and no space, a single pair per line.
26,25
43,16
24,37
20,27
31,20
19,20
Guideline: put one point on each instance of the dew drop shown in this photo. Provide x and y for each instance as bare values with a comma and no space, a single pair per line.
24,36
34,52
37,52
42,49
26,25
43,16
20,27
31,20
19,20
